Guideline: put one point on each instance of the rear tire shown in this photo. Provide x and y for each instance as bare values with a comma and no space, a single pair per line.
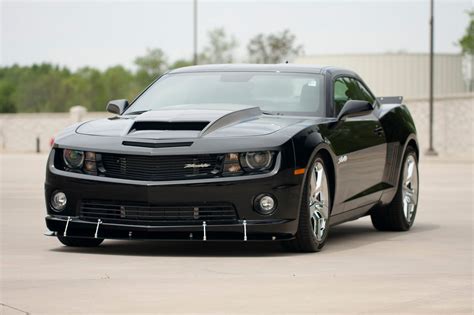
80,242
313,225
400,214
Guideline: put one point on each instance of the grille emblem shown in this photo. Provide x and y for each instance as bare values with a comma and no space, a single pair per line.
123,213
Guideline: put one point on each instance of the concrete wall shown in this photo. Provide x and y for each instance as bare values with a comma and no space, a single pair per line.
18,132
401,74
453,126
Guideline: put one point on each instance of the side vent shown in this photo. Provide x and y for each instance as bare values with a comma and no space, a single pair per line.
164,125
393,163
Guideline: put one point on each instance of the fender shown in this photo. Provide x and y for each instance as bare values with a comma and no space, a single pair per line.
307,142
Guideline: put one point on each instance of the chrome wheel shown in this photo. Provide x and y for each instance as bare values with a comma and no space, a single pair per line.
318,200
410,187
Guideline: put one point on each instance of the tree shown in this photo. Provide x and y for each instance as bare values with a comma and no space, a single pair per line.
7,104
273,48
181,63
467,41
220,48
41,88
50,88
89,88
150,66
118,83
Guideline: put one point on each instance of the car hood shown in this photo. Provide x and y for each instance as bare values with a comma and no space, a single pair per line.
189,122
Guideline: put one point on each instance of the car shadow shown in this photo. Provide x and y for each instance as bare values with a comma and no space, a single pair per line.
342,237
357,234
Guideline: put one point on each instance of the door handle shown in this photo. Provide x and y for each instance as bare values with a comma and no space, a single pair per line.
378,131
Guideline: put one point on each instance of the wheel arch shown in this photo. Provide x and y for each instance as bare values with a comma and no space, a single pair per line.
413,143
410,141
330,166
307,143
400,132
328,157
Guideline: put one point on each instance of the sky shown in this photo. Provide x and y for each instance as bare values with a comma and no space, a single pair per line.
107,33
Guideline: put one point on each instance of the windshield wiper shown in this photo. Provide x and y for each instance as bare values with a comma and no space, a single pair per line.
272,113
138,112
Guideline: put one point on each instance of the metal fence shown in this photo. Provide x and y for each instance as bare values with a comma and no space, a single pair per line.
404,74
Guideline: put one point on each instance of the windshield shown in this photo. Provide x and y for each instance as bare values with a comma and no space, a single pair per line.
273,92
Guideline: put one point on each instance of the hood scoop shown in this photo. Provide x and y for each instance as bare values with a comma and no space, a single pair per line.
187,124
167,129
168,126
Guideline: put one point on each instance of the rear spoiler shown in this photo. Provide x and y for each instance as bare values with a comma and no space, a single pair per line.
390,99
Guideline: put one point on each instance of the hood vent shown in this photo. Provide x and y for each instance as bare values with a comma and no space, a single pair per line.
157,144
166,126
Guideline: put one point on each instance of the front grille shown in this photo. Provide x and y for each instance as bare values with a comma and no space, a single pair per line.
160,168
140,213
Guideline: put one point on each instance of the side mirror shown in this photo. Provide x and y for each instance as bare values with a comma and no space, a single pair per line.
117,106
353,107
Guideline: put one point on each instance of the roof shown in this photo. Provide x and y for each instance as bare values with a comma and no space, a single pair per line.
283,67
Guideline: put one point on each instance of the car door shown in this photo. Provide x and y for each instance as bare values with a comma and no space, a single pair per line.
359,143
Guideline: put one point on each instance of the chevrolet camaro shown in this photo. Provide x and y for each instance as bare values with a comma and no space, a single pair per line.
236,152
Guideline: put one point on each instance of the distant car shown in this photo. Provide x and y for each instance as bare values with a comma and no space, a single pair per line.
236,152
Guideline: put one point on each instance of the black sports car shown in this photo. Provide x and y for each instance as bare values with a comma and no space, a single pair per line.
236,152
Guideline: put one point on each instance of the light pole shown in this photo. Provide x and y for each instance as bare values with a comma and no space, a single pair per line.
431,150
195,54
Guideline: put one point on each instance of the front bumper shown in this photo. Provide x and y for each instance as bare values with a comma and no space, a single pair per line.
251,230
282,224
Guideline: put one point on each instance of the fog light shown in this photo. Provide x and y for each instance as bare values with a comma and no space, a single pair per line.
58,201
265,204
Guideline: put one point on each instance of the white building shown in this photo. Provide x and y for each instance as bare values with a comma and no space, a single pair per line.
404,74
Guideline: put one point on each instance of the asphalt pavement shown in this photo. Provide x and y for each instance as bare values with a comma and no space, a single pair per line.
426,270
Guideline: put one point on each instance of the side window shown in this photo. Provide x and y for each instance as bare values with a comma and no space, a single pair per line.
346,88
341,88
362,93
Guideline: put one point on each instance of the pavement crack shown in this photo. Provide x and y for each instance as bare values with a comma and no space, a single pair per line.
14,308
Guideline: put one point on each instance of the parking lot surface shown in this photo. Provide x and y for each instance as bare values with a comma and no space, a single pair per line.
426,270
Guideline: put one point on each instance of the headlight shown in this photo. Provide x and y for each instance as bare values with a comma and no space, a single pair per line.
81,161
73,158
232,165
90,164
256,161
250,162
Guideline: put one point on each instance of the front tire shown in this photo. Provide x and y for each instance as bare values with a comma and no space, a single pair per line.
313,226
80,242
400,214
